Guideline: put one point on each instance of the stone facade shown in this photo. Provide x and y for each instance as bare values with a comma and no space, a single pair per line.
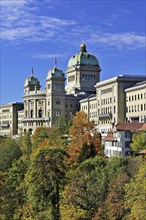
110,101
104,102
45,107
9,118
136,102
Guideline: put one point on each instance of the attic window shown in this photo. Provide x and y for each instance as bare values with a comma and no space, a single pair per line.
74,56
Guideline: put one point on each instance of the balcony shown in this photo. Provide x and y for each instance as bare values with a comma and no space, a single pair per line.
105,116
5,125
45,119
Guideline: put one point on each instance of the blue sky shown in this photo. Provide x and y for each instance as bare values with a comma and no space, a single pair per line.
34,32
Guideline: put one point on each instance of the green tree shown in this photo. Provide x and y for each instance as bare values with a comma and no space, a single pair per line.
44,180
113,206
12,191
138,141
46,136
26,145
9,151
85,191
135,198
62,127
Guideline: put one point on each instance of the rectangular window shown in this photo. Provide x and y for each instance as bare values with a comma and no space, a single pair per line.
71,78
5,110
58,103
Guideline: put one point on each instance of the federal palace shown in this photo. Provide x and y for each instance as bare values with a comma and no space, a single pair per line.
108,102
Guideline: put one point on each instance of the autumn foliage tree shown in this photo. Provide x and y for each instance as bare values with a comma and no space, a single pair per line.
113,206
85,140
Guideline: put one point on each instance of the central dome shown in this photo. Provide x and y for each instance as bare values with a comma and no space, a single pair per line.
83,58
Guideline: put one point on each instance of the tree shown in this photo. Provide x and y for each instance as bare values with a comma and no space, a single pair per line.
26,145
113,206
84,137
85,191
46,136
135,195
9,151
62,127
44,180
12,191
138,141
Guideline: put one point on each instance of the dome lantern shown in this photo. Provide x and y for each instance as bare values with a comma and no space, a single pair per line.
83,47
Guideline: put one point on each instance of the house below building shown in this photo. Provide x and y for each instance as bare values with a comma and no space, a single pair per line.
117,142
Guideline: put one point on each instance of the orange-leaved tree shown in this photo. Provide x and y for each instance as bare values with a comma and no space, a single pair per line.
85,141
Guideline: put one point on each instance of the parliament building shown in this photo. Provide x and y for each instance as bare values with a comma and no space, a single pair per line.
106,102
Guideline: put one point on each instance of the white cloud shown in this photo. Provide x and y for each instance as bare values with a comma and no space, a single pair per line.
23,21
119,40
20,21
49,56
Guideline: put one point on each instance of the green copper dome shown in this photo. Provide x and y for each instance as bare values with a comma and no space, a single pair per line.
83,58
55,72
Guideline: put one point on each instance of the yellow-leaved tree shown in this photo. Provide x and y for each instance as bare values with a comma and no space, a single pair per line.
135,198
85,140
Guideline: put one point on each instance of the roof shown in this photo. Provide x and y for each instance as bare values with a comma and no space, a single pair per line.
129,126
121,78
55,72
31,80
110,138
143,128
83,58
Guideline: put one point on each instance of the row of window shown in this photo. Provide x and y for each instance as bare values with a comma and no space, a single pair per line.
107,101
106,121
39,103
40,112
88,77
92,106
6,116
93,114
136,108
31,123
136,97
112,152
107,110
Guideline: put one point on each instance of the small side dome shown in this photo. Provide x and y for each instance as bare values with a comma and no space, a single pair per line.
83,58
31,81
55,72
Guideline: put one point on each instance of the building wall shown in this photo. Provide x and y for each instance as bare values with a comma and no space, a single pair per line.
9,118
111,100
82,78
89,106
119,147
136,103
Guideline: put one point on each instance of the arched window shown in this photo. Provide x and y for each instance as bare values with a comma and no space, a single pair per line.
30,131
40,113
31,114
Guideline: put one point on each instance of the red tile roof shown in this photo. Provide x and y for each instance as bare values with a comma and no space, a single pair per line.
143,128
109,138
129,126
